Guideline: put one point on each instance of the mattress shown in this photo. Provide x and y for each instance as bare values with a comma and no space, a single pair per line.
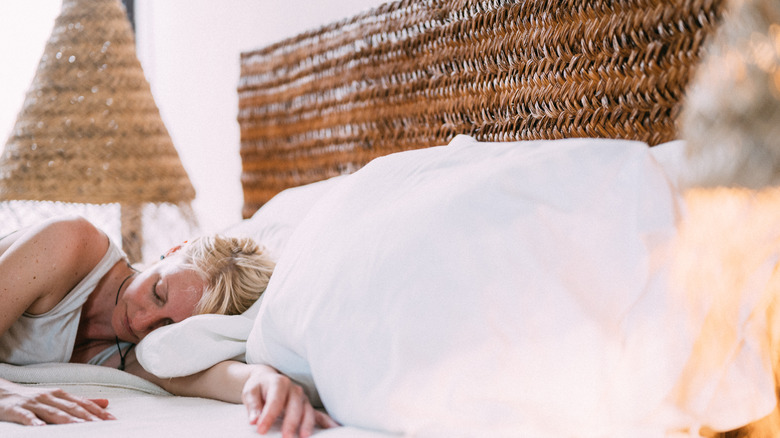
142,409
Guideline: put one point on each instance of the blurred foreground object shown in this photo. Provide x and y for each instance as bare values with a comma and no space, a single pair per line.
731,120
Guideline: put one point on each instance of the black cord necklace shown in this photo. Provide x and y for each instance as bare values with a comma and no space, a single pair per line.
122,356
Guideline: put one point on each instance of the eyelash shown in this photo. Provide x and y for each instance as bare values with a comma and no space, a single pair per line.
156,295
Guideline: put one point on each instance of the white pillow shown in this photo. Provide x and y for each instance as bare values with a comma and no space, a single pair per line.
201,341
273,223
445,290
196,343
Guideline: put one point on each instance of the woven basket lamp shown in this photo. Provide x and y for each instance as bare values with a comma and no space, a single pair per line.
89,130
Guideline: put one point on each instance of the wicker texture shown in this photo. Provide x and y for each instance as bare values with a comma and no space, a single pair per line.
415,73
89,130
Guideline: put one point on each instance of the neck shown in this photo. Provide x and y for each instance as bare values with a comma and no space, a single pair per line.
95,324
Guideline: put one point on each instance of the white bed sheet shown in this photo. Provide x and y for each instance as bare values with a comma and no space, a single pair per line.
142,408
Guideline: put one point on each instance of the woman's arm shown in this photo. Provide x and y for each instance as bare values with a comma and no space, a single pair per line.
266,394
224,381
38,266
34,406
43,263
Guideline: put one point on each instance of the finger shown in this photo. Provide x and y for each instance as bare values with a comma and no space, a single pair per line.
254,412
324,420
102,402
53,414
97,407
252,398
25,417
307,422
76,406
293,412
253,415
275,401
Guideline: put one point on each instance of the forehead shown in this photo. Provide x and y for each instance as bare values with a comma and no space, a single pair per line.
181,284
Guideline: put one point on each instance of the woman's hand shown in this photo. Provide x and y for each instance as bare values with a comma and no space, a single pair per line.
268,395
35,406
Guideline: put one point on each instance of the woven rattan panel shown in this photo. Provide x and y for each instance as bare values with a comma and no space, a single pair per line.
415,73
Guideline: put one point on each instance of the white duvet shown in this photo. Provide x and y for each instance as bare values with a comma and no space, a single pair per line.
546,289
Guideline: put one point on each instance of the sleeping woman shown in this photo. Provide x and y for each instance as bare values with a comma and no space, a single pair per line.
68,294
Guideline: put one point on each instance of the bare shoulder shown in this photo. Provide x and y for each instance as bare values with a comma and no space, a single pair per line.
72,244
47,260
77,236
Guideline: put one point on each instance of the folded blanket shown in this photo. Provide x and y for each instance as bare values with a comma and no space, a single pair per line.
74,374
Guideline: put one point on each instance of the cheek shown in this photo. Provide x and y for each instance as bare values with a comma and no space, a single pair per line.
116,319
185,307
134,294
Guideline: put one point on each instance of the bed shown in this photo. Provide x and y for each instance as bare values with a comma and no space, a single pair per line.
465,147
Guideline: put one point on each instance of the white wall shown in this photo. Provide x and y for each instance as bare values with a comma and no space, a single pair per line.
24,28
190,52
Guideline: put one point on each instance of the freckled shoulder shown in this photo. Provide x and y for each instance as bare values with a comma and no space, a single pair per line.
82,245
59,254
44,263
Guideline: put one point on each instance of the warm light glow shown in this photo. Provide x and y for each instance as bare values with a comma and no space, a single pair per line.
762,52
726,274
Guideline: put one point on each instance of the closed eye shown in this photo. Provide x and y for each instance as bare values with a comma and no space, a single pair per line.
156,295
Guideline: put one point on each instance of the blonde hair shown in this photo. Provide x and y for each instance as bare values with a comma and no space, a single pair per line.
236,270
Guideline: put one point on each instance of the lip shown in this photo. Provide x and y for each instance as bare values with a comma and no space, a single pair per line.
128,328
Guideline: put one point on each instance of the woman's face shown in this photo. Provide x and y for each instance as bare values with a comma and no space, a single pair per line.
161,295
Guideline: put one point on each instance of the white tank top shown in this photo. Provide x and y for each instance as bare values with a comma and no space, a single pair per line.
50,337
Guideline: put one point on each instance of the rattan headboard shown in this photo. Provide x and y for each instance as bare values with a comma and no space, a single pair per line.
415,73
